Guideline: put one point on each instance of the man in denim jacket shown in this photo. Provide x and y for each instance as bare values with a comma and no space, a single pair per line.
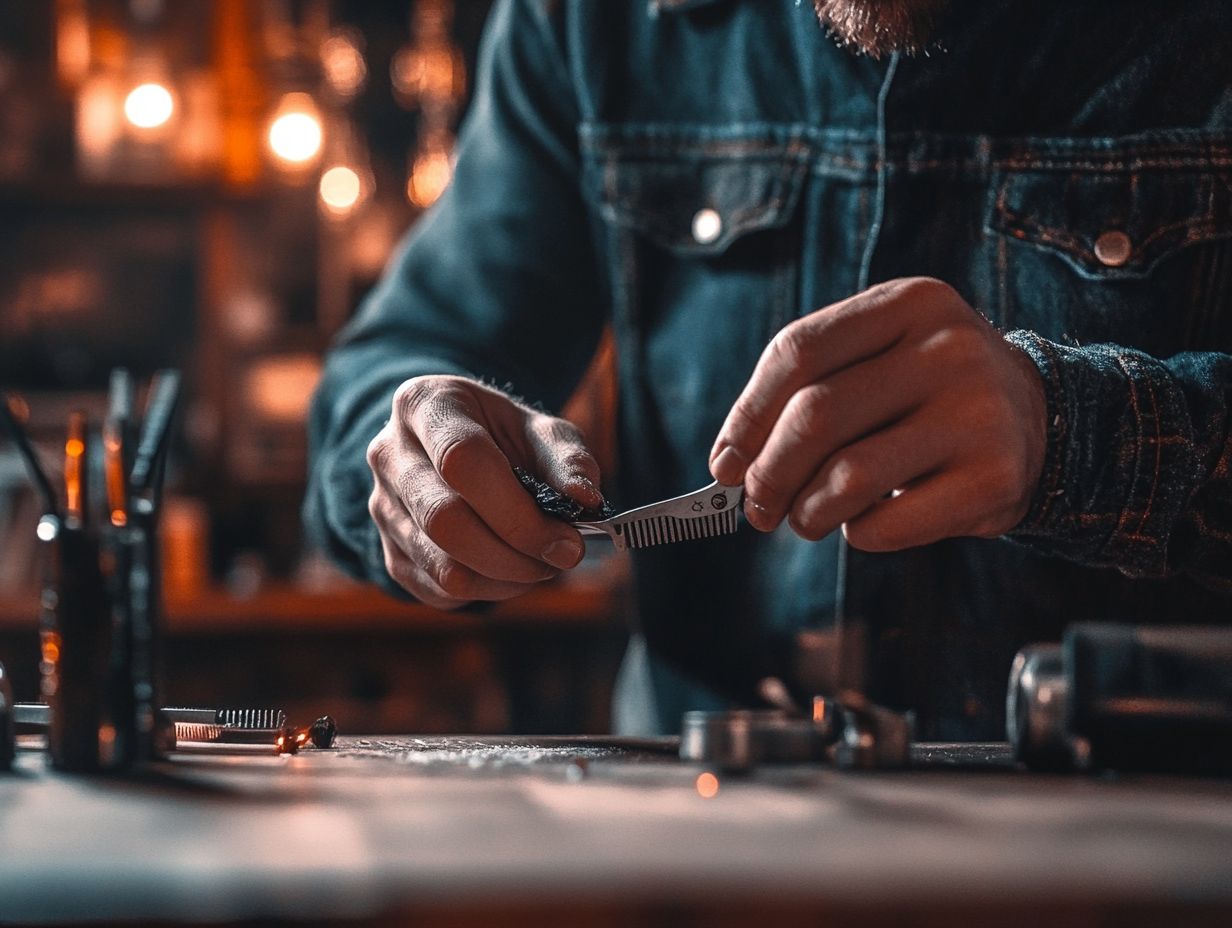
1022,422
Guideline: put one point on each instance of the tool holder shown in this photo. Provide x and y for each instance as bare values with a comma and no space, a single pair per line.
100,609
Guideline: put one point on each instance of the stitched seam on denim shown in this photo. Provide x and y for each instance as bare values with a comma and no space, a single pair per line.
1114,167
1201,230
1120,157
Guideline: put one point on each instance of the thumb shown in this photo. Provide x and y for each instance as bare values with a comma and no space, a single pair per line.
563,461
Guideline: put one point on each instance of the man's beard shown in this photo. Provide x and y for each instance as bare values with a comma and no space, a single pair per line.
879,27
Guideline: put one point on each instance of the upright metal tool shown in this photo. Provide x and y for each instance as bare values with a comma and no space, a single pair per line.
99,613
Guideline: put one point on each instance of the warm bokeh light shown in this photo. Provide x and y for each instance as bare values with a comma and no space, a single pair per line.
707,785
343,64
430,175
295,135
341,188
280,388
149,106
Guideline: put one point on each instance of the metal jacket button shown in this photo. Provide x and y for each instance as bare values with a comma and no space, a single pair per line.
1113,248
707,226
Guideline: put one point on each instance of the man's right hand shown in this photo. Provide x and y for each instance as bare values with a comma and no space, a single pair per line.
455,523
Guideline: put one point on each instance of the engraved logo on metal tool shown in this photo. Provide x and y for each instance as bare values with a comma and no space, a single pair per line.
718,501
697,506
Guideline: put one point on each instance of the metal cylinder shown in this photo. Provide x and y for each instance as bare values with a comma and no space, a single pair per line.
725,740
1036,706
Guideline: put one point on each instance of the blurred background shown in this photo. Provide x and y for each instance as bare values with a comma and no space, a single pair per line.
215,186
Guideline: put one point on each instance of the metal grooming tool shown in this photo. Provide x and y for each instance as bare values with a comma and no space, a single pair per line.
216,731
264,728
228,718
706,513
193,737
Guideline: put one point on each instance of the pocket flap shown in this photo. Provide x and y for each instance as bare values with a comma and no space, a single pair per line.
699,200
1111,225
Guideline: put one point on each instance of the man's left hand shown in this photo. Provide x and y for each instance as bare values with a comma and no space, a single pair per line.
899,414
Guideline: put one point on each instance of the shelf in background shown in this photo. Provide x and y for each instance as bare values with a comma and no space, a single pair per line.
591,601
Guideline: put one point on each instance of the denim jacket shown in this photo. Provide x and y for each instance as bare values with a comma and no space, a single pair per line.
1066,165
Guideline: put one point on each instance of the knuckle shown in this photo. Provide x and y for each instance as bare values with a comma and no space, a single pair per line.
407,484
455,454
441,516
810,408
557,430
760,484
453,579
788,345
925,287
410,395
741,423
951,346
849,477
378,452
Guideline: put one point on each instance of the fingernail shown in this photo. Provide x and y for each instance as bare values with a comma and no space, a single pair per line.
728,467
563,554
758,515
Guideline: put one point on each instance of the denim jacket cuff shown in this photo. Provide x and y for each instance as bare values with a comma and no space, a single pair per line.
1120,466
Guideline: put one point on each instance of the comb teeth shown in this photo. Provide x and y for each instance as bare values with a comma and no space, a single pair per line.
196,731
252,718
658,530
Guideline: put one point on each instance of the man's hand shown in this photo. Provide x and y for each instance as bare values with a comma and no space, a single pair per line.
455,523
899,414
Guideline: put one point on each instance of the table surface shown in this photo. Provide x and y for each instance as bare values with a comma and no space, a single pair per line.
402,825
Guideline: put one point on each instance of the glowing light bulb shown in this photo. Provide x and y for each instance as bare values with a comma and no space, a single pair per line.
295,134
340,189
149,106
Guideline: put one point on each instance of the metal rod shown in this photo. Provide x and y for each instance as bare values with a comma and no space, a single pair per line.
155,431
34,467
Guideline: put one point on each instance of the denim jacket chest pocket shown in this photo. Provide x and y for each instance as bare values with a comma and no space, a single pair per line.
1131,245
704,245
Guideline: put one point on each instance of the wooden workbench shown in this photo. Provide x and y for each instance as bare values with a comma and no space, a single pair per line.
463,831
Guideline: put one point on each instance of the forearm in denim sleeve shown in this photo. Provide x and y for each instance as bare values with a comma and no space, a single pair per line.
497,281
1136,475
